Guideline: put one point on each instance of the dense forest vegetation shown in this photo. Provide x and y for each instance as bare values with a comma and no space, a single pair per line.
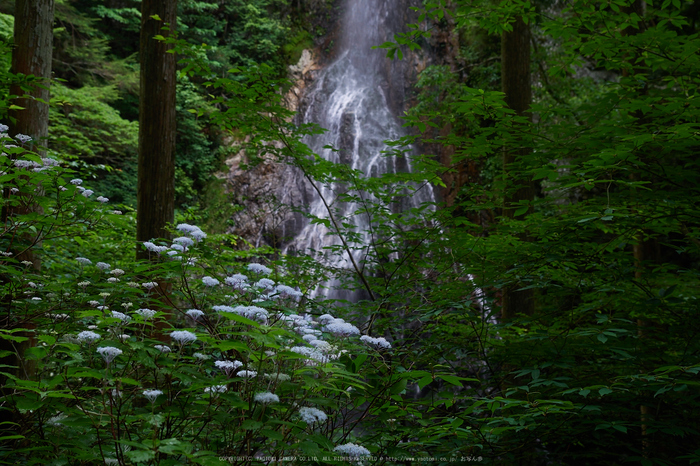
543,310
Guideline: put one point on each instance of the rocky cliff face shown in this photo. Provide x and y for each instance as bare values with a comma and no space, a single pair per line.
271,193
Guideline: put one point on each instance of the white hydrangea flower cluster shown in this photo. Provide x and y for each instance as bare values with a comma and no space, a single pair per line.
352,450
146,313
194,314
88,336
209,281
183,336
340,328
312,415
194,232
109,353
377,343
266,398
216,389
259,268
121,316
238,282
152,395
162,348
228,366
279,377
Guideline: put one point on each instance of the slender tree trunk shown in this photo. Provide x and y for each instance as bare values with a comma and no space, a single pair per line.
156,172
515,83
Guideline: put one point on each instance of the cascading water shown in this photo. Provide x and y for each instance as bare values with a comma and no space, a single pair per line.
351,99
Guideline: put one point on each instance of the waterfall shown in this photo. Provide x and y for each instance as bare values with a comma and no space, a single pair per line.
352,98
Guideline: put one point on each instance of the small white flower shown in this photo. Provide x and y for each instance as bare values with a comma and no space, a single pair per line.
117,212
63,188
105,295
22,138
312,415
14,190
36,299
76,181
113,280
152,394
127,305
326,319
88,192
183,336
60,317
194,314
109,353
162,348
116,393
216,389
266,398
102,199
103,266
201,356
83,284
209,281
93,303
258,268
123,337
247,374
228,366
27,263
149,285
350,449
117,272
88,336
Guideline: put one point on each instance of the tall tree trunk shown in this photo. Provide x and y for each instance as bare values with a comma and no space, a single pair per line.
156,172
515,83
33,41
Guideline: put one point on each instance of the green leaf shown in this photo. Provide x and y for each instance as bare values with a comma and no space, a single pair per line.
604,391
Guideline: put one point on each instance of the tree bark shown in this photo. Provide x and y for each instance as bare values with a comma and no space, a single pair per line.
515,83
33,36
156,170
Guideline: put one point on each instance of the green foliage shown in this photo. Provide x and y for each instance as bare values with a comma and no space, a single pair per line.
603,372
